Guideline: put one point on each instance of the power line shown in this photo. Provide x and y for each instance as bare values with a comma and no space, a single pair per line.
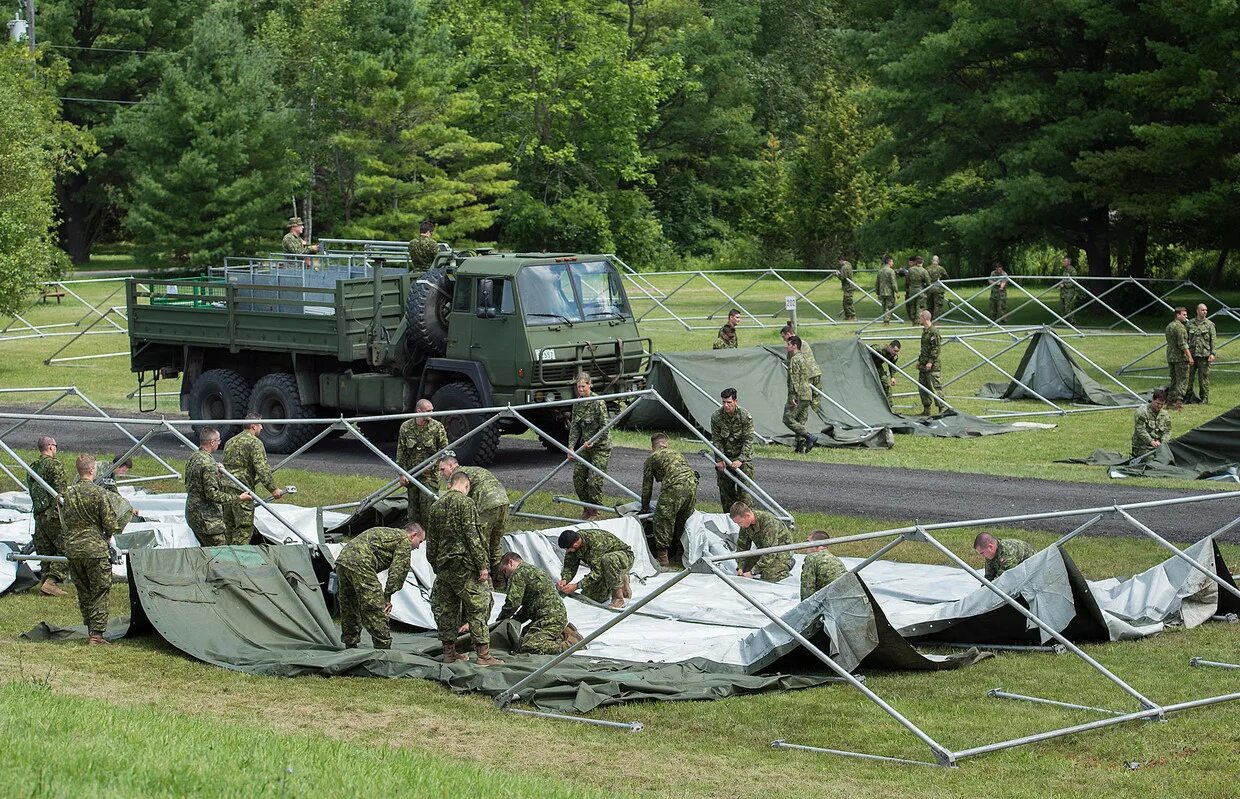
94,100
107,49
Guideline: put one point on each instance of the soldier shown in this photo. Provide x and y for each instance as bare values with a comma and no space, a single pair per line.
533,598
47,528
800,396
1067,288
423,249
938,290
91,517
205,492
491,499
588,419
457,553
727,333
998,292
929,370
845,272
1151,425
609,560
916,297
760,530
731,432
420,439
885,361
1001,554
821,568
363,602
815,373
108,482
293,243
1179,358
677,493
1201,338
885,288
245,458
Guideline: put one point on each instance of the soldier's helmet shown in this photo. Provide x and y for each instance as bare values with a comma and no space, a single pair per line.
294,221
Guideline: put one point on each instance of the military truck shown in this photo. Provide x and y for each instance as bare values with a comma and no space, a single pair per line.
301,338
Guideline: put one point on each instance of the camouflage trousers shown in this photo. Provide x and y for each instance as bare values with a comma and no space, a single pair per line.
889,306
1067,300
92,577
238,520
998,307
729,491
545,636
1199,373
459,597
587,484
795,417
1178,386
849,304
48,533
207,524
491,523
772,568
361,605
937,304
602,581
930,380
671,512
419,501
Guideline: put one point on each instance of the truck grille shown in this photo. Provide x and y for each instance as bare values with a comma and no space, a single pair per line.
600,369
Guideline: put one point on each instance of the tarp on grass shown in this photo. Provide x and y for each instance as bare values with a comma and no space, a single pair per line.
1211,450
859,417
1049,369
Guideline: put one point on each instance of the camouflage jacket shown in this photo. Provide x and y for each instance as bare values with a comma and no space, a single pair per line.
422,251
918,279
594,545
998,283
845,274
485,489
588,419
107,484
1011,552
722,342
294,244
376,550
800,375
246,458
819,570
1201,337
1066,286
766,531
453,539
53,473
733,433
885,283
415,444
931,346
1177,342
533,597
881,363
91,516
672,471
936,273
1149,427
204,485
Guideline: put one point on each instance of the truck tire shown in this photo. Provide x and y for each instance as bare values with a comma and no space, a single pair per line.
275,396
427,307
555,424
219,394
479,450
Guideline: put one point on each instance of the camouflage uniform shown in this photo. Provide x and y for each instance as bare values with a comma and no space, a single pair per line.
92,516
609,560
677,493
491,500
204,495
589,418
766,531
1067,291
245,458
815,374
918,280
294,244
1011,553
1201,336
930,379
422,251
998,294
1177,361
733,434
362,599
819,570
937,302
533,598
722,342
107,483
796,413
47,528
848,289
885,288
415,444
456,552
886,371
1149,427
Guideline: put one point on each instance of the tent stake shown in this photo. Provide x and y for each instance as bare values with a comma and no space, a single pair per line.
1216,664
996,693
627,726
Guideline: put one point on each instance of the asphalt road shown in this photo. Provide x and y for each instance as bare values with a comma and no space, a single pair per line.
899,495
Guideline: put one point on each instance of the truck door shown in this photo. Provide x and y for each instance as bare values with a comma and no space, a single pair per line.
494,331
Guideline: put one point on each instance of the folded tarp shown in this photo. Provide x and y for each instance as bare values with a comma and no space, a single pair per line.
857,413
1049,369
1211,450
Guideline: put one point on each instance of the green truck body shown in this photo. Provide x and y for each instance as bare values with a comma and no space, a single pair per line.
473,332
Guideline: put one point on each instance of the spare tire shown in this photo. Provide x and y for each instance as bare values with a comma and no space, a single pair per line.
275,396
219,394
480,449
427,308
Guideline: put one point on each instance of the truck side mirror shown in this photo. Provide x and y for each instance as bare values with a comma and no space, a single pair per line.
486,298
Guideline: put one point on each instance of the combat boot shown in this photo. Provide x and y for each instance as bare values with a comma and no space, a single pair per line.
450,655
925,410
628,589
660,555
97,639
50,588
590,515
571,635
810,441
485,659
617,599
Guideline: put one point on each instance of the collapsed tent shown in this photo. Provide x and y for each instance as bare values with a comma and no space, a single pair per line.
1048,371
1208,451
855,412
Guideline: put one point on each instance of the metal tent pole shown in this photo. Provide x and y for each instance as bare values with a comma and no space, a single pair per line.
996,693
976,366
63,393
577,458
797,292
1174,550
1012,377
324,433
628,726
172,472
660,303
704,393
1214,663
26,467
731,301
1085,358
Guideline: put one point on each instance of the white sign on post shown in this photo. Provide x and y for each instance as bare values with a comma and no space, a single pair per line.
790,303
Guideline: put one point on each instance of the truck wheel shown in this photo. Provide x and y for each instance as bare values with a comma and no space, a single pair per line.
479,450
219,394
554,424
275,397
427,307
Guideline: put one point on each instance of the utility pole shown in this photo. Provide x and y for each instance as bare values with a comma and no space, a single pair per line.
30,24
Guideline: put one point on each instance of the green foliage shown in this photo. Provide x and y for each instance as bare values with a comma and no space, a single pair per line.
210,150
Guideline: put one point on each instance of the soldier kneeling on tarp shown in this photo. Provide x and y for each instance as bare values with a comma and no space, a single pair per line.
533,598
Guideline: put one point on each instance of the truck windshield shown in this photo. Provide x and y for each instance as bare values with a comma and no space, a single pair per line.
571,292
